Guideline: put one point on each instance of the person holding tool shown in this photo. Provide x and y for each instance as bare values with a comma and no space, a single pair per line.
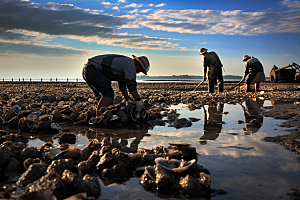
100,70
211,61
254,73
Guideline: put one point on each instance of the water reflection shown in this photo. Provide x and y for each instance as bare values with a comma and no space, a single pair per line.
253,115
213,122
127,137
234,154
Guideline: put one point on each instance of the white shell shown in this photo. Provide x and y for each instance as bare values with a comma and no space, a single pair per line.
16,108
96,120
33,115
56,127
173,165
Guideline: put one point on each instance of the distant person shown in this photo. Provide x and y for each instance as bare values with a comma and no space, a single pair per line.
212,62
100,70
254,73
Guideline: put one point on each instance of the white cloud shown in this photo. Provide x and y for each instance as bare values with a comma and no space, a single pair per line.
121,1
161,5
115,8
106,3
145,10
287,55
67,21
133,11
291,4
234,22
151,4
203,43
134,5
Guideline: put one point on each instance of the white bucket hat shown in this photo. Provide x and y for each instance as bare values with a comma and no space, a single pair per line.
144,62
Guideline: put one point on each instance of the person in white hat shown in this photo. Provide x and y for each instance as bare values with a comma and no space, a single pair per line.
100,70
212,61
254,72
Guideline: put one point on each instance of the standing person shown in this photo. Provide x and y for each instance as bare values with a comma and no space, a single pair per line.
100,70
254,72
212,62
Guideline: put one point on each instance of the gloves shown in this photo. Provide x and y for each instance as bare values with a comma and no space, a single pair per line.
139,105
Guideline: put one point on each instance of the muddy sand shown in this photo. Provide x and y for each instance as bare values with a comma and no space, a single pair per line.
74,103
285,98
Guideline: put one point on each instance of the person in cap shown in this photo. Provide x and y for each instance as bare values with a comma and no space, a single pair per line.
254,72
212,62
100,70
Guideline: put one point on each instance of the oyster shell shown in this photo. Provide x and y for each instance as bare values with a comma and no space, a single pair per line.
96,120
174,165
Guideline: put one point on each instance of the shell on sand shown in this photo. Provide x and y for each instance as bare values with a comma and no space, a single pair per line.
174,165
150,172
96,120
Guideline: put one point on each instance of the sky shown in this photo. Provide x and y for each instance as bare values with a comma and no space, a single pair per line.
53,39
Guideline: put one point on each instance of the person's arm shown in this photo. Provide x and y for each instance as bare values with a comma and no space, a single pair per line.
135,95
204,71
204,68
124,92
246,72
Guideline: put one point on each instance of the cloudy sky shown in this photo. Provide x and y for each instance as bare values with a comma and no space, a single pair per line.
52,39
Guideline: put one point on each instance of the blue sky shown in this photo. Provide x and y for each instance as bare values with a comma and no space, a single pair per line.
52,39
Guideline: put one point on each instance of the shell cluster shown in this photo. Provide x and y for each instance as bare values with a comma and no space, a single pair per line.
49,170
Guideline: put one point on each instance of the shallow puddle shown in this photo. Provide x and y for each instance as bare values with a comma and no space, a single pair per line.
240,162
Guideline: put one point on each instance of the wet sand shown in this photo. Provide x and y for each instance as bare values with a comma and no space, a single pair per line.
285,100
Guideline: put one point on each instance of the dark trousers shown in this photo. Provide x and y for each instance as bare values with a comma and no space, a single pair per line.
215,74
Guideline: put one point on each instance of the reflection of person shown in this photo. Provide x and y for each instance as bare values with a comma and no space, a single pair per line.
213,124
254,72
100,70
253,115
212,61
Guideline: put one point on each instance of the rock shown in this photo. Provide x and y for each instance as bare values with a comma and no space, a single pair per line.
53,182
29,152
59,166
5,155
163,178
67,138
190,186
14,165
34,172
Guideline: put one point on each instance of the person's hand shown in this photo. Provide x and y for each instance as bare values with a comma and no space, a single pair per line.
129,100
204,78
139,105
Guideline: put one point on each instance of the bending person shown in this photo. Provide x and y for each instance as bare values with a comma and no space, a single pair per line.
254,73
100,70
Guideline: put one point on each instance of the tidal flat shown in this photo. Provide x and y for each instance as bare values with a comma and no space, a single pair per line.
247,143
